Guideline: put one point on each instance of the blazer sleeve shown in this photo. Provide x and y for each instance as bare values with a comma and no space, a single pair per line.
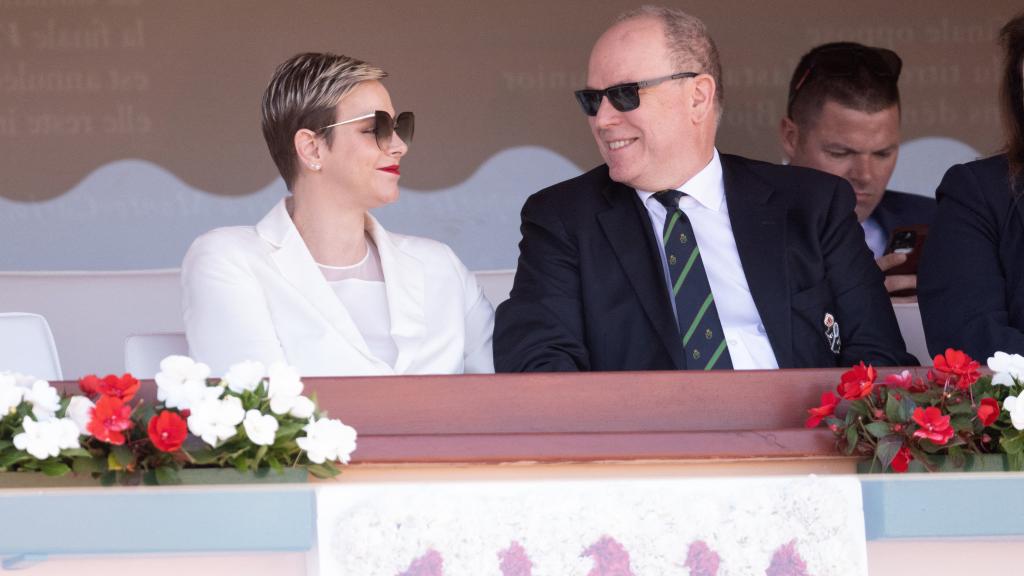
226,315
868,328
962,282
478,357
540,327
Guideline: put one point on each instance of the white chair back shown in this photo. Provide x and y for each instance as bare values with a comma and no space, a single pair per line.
143,352
908,316
496,284
27,346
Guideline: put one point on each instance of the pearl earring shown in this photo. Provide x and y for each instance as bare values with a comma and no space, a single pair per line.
315,166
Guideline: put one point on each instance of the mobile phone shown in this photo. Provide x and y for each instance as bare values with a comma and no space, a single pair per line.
907,240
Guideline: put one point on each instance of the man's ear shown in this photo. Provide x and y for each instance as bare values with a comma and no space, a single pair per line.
789,136
307,148
702,100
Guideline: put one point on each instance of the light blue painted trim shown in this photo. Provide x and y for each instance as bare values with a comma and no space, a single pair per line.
139,521
943,506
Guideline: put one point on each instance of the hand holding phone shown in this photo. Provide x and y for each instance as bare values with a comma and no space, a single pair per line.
907,241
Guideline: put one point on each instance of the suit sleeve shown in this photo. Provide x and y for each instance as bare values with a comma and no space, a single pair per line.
868,327
962,282
226,315
540,327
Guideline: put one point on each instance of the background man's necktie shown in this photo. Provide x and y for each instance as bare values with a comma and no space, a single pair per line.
700,329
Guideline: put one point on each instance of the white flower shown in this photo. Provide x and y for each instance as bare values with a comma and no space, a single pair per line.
1006,368
285,388
40,439
67,432
80,412
1015,406
245,376
302,408
44,399
328,439
181,383
10,395
260,428
215,420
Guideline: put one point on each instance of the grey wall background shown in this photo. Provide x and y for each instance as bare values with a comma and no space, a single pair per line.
129,127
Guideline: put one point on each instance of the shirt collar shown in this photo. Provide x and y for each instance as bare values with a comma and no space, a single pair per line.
705,188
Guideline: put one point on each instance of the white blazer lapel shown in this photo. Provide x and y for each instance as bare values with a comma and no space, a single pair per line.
404,282
296,265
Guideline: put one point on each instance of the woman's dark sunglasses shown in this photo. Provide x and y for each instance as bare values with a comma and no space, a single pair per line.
622,97
846,60
383,127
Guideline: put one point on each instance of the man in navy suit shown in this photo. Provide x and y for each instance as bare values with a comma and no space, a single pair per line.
843,117
790,281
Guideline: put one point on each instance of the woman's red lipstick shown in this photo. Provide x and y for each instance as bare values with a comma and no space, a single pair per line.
393,169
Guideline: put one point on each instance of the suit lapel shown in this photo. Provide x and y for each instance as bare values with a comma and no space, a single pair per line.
637,256
296,265
405,284
760,233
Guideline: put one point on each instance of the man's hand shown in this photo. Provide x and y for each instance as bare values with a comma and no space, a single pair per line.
897,282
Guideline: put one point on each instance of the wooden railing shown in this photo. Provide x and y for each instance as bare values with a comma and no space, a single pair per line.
581,417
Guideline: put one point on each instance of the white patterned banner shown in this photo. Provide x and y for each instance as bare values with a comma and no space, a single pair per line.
808,526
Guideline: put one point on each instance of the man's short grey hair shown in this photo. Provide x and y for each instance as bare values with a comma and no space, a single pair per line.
304,93
688,42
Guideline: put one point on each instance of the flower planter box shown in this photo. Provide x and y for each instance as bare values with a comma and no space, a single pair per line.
972,463
188,476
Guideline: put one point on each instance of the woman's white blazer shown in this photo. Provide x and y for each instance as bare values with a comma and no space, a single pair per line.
255,293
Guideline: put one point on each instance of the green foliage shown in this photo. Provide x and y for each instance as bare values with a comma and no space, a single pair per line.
882,423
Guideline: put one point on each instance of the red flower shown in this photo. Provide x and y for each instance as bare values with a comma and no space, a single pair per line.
958,367
933,425
857,382
124,387
167,431
110,418
828,406
988,411
901,461
906,381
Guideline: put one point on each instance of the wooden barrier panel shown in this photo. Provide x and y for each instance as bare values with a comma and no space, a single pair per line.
581,417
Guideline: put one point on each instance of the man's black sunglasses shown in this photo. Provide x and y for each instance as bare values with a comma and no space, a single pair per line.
623,97
844,60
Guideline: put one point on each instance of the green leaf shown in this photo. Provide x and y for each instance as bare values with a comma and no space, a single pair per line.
878,429
108,478
54,468
85,466
12,457
859,407
851,440
288,430
892,409
962,423
5,444
122,456
962,408
259,456
76,453
275,464
167,476
1012,442
887,449
325,470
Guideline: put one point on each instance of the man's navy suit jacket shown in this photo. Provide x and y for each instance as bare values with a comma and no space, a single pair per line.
901,209
589,292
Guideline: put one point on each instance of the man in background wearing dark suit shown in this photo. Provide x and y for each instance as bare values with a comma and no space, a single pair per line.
843,117
671,256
